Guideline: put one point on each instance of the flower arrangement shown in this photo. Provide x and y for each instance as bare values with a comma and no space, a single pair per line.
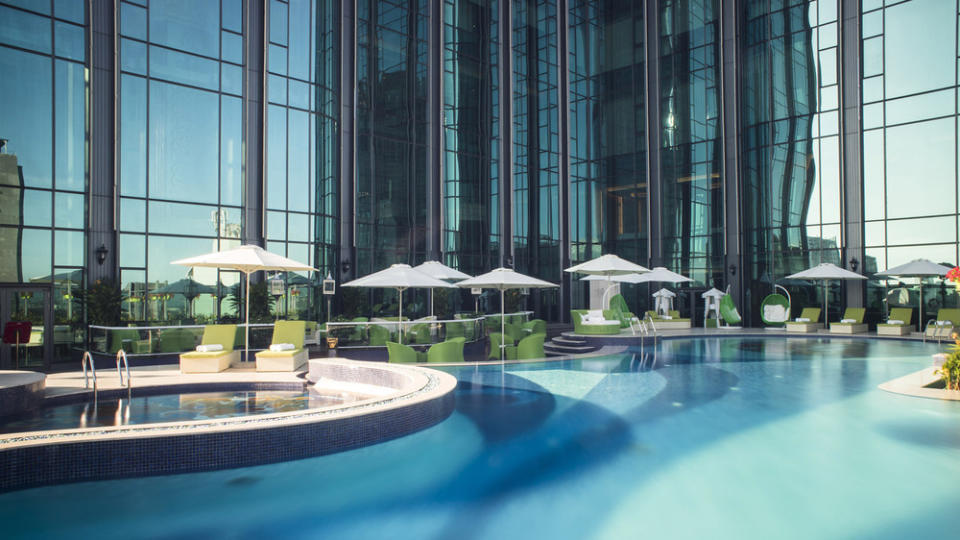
954,276
950,370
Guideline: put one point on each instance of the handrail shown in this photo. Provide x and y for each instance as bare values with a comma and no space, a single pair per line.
93,371
123,354
938,330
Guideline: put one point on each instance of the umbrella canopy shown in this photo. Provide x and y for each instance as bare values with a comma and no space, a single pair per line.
661,274
825,272
607,265
918,268
623,278
440,271
713,293
247,259
663,301
399,277
503,279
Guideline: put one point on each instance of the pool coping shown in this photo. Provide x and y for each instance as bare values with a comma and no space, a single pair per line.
30,459
917,384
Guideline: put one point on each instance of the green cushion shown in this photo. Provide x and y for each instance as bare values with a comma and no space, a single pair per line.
901,314
591,329
219,334
447,351
531,347
289,332
535,326
399,353
378,335
855,313
949,314
812,313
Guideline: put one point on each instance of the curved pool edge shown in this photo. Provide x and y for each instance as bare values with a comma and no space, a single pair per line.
917,384
52,457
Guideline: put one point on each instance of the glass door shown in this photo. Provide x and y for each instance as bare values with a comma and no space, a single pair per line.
25,320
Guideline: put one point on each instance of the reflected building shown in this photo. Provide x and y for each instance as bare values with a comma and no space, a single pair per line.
729,141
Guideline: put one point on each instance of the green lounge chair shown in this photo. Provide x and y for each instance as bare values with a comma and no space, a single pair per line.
535,326
729,313
419,334
775,310
399,353
449,351
129,340
806,323
212,361
284,332
455,330
675,321
607,328
947,320
531,347
378,335
178,340
850,323
898,323
510,351
619,305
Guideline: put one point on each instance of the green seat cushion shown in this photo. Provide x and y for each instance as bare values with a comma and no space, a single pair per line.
289,332
220,334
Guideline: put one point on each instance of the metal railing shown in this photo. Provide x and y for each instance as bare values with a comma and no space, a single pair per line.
88,358
121,354
941,329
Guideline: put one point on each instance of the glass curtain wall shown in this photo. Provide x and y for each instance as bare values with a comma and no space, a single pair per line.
609,195
910,70
300,139
471,126
44,105
690,152
181,154
536,148
790,145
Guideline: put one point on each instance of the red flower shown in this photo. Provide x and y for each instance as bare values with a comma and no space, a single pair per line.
954,275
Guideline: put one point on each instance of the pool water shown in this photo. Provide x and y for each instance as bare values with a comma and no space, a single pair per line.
706,438
168,408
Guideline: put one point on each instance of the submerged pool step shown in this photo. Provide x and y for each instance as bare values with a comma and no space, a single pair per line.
565,345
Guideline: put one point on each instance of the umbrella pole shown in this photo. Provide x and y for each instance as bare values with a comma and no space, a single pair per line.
246,329
826,309
503,338
920,320
400,318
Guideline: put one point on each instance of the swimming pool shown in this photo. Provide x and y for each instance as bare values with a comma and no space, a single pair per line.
706,438
178,407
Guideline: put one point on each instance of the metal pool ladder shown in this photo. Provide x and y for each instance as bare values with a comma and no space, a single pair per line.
122,354
87,357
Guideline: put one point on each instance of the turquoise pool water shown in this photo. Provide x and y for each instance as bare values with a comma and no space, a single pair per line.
710,438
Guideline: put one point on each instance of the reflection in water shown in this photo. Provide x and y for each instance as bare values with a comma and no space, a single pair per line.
171,408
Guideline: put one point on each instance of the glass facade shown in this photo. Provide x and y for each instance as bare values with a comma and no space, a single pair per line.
44,120
609,191
688,134
911,64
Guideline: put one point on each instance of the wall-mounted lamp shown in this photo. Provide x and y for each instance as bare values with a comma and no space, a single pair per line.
733,269
345,267
854,263
101,254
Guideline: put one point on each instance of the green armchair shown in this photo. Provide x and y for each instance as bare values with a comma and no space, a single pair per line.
399,353
535,326
447,351
509,351
531,347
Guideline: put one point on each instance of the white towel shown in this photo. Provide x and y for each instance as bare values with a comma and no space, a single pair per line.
894,321
277,347
847,321
210,348
944,323
666,317
803,319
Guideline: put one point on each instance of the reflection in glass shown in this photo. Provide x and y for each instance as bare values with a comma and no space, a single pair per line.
186,219
921,39
187,25
925,151
133,215
25,30
71,116
26,113
183,143
69,248
133,136
70,212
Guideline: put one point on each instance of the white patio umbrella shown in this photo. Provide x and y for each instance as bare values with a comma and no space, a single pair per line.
399,277
608,265
825,272
918,268
247,259
503,279
440,271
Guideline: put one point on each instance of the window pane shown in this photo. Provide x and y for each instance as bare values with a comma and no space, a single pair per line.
231,137
133,21
184,68
71,93
162,250
187,25
133,56
921,107
276,158
232,47
71,211
24,30
133,215
278,22
298,146
71,10
232,79
36,258
69,248
133,250
26,113
277,225
921,46
298,227
191,219
184,124
38,208
921,231
71,41
133,136
922,152
232,11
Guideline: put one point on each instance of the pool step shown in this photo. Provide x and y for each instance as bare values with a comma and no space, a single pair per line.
566,345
